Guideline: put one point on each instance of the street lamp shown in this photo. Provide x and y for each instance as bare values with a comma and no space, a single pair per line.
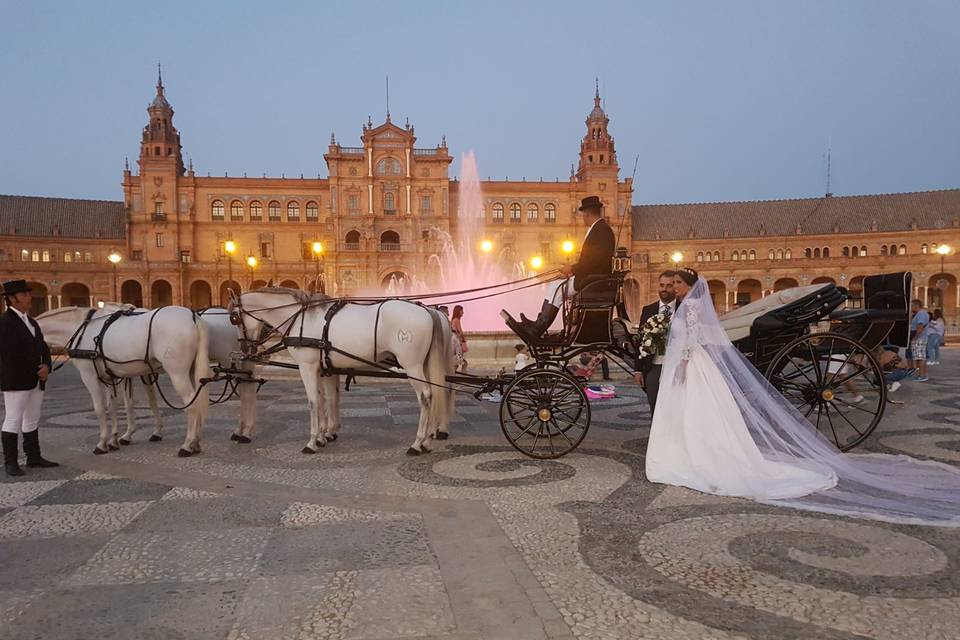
317,248
230,248
944,250
252,263
115,258
567,247
486,246
536,262
677,258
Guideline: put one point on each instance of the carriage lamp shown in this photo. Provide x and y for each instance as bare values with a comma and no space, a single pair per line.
115,259
486,246
567,246
677,257
536,262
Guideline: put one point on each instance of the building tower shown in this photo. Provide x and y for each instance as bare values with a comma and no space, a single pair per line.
598,170
160,145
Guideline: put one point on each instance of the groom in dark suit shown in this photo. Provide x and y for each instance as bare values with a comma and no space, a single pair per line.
648,373
596,259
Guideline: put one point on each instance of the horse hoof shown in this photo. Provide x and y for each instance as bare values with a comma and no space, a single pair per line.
125,441
331,437
321,442
308,450
413,452
99,452
235,437
183,453
156,438
113,447
243,440
442,435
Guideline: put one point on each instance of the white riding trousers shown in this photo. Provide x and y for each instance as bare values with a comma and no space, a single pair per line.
555,291
22,410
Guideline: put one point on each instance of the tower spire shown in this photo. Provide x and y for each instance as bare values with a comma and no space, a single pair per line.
159,80
388,98
596,91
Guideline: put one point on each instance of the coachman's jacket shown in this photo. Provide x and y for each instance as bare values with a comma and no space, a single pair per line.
20,353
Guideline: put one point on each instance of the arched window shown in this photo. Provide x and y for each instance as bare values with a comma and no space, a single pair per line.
390,241
665,258
700,256
35,256
256,210
771,254
216,210
826,252
716,256
550,212
389,202
533,213
313,211
923,248
788,254
779,254
352,240
293,212
854,251
883,249
902,250
707,257
816,252
515,212
753,254
497,212
863,251
388,167
733,256
67,256
808,253
845,252
236,210
273,211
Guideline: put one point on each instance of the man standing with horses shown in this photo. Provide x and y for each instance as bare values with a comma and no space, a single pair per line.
596,259
24,366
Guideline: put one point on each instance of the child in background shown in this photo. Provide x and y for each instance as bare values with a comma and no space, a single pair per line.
522,359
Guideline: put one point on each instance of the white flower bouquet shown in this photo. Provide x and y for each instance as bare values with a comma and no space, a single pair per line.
653,336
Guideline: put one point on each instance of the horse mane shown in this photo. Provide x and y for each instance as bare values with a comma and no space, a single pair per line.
300,296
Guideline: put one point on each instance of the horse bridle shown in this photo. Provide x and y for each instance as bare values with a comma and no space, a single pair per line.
248,345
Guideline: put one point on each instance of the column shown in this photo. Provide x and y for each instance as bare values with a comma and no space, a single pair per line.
49,301
408,161
408,200
370,198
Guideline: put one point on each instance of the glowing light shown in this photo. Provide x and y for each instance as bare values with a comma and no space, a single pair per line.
317,248
251,261
944,249
114,257
536,262
567,246
677,257
486,246
230,247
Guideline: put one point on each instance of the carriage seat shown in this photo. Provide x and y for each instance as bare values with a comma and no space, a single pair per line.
598,292
738,322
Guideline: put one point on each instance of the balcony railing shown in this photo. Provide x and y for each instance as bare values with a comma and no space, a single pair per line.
389,246
351,246
424,152
352,151
159,217
389,212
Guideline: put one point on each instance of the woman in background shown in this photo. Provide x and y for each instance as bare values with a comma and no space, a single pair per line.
459,337
935,336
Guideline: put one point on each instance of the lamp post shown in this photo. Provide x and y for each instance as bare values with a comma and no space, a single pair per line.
252,263
317,249
944,250
567,247
230,248
677,258
115,258
536,262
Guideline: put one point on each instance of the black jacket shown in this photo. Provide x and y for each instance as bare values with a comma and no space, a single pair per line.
596,254
20,353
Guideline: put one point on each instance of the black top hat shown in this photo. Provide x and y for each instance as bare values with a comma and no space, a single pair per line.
591,203
15,286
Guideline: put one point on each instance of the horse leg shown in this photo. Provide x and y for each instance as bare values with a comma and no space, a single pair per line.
185,389
97,396
330,388
114,442
309,373
424,433
157,434
127,437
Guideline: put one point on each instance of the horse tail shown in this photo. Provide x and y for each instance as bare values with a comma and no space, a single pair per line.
201,363
438,363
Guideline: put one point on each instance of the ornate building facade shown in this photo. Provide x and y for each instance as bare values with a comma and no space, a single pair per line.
387,205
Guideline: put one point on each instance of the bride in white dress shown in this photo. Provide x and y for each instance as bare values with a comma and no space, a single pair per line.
721,428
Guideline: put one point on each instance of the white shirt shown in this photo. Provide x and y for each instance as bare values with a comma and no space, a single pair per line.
26,321
672,305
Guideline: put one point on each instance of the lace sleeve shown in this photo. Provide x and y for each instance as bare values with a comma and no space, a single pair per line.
692,333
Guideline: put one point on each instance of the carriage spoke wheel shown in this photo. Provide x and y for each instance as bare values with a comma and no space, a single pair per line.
835,383
544,413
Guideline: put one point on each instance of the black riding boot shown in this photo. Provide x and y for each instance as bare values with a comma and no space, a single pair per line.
11,450
31,447
536,328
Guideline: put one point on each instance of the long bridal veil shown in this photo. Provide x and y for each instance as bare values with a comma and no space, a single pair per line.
894,488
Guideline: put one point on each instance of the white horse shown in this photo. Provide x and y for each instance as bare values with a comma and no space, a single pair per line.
415,335
169,338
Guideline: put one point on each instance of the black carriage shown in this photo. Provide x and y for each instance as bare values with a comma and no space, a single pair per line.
820,356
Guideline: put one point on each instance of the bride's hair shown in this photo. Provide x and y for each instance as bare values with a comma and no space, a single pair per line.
688,275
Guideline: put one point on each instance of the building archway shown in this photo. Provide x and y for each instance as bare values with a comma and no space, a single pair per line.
290,284
258,284
718,292
161,294
225,286
75,294
390,241
395,281
942,293
749,290
631,298
785,283
823,280
131,292
200,295
312,285
855,292
40,302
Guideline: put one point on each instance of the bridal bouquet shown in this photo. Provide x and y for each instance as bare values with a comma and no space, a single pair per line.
653,336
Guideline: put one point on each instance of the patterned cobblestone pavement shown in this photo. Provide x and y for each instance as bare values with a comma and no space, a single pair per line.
471,541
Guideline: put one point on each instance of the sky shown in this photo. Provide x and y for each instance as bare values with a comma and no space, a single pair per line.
731,100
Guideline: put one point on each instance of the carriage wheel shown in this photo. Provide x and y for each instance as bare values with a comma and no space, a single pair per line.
835,382
544,413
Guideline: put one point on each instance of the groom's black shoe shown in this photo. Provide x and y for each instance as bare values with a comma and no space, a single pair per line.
536,328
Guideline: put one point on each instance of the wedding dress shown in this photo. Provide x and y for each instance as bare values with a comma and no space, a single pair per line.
721,428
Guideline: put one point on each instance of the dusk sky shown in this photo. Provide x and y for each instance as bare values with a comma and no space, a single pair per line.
720,100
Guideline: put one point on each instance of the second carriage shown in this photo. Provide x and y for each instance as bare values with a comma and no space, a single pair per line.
821,355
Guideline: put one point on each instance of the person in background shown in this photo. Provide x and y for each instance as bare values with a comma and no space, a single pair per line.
919,325
24,366
522,359
458,333
935,336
